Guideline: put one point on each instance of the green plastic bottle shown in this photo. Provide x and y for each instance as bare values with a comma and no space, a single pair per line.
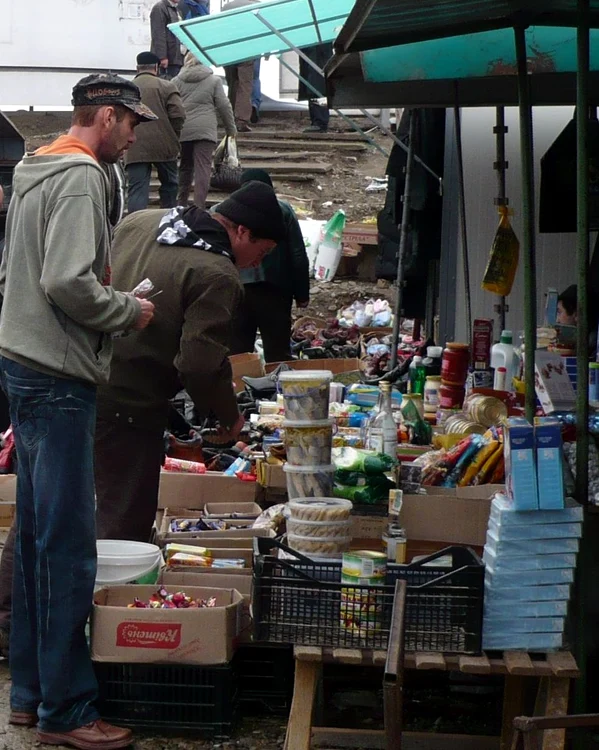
417,375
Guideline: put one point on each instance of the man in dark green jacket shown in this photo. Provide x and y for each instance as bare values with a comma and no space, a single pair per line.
283,276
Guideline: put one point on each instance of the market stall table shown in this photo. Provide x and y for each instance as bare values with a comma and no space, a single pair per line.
552,670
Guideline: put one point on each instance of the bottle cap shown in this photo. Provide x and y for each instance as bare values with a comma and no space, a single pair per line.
506,337
501,369
434,352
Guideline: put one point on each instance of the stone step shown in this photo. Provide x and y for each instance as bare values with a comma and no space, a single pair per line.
283,157
280,144
287,135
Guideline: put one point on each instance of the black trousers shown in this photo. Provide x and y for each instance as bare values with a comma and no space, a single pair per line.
267,308
128,460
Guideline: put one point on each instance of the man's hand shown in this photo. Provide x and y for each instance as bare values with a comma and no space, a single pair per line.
230,435
164,62
145,316
303,304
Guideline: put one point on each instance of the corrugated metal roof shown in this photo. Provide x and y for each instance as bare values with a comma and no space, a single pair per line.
234,36
383,23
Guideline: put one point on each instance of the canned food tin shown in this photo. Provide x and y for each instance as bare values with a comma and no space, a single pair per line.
395,543
364,564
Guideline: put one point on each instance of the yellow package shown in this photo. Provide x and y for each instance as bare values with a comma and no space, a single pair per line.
478,462
489,467
503,261
188,549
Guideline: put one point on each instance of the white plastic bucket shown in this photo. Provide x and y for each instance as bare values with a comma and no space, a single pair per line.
121,561
327,261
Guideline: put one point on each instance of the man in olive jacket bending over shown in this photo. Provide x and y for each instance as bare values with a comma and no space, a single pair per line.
192,258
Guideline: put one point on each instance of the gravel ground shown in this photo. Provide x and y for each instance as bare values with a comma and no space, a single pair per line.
262,733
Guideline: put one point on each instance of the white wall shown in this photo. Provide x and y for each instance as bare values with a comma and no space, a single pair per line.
77,36
556,253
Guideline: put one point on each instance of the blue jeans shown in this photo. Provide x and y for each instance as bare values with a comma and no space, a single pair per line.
138,193
256,87
55,551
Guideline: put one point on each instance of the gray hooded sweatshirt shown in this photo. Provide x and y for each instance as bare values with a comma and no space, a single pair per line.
59,307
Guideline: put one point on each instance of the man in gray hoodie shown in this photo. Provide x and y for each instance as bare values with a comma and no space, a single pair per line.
58,315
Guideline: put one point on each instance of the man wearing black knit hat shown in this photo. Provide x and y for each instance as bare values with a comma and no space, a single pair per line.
192,257
271,288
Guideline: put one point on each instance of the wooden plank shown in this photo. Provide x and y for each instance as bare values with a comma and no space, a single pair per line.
432,660
558,691
298,167
475,664
518,662
379,658
301,135
498,666
410,661
348,655
311,145
308,653
513,705
302,706
563,664
368,738
282,156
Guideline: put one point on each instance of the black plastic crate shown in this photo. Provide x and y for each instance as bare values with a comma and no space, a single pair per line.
301,601
265,673
169,696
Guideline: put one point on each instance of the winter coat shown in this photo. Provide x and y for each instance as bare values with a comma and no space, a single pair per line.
164,43
187,344
158,140
203,95
193,9
59,308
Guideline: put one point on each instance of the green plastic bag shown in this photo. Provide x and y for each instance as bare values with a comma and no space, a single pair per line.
367,462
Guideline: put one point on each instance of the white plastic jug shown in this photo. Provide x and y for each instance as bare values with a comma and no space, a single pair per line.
503,354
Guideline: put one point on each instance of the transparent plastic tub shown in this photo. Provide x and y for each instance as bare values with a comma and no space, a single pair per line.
306,394
320,508
309,481
322,547
318,529
309,443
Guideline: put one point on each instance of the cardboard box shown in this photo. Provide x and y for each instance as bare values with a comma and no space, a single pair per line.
271,475
336,366
8,499
238,530
245,365
195,490
229,553
360,233
174,636
366,529
182,581
520,464
550,478
450,516
232,510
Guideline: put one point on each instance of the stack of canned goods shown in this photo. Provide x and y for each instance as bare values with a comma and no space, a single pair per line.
362,596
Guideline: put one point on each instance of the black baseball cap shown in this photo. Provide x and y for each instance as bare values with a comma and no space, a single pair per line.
255,206
108,89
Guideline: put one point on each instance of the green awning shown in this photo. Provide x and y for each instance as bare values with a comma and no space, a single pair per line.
550,50
238,35
383,23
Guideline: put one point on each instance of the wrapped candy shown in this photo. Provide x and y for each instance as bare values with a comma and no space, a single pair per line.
179,600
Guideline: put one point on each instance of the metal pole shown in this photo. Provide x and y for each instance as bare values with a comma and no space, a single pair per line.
351,122
366,114
501,166
583,246
463,226
528,222
403,238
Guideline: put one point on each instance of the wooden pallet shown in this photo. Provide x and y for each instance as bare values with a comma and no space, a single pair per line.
552,671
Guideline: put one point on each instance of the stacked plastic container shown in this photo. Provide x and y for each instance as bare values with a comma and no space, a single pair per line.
319,526
530,557
308,432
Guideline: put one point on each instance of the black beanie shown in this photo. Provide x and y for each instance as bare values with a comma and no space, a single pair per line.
256,207
260,175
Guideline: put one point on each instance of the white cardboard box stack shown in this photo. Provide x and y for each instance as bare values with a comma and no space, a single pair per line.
530,559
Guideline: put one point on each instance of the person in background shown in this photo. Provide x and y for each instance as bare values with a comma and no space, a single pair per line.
157,142
58,313
567,314
240,83
319,112
164,44
192,257
193,9
256,93
203,96
271,288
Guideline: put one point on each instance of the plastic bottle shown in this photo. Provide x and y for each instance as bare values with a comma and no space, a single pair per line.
432,361
503,354
417,375
383,430
330,247
499,383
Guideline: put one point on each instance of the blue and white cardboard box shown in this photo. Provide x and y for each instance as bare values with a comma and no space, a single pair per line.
520,470
504,512
549,593
535,531
500,609
516,578
558,546
514,563
522,641
550,478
